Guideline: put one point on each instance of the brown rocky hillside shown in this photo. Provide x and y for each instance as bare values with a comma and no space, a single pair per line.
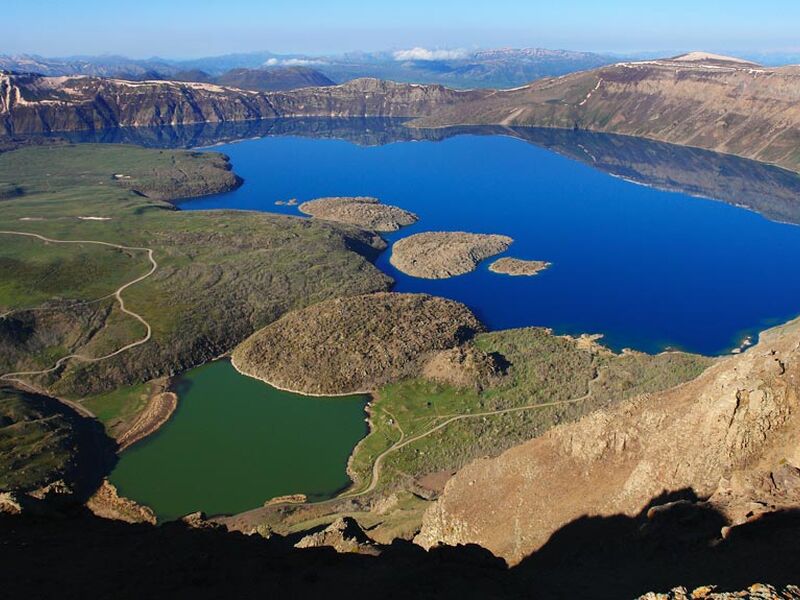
717,103
729,441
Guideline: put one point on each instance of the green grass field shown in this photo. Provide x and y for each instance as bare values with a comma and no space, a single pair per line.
118,409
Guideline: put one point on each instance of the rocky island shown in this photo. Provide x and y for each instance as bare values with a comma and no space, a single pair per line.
518,266
443,254
361,211
356,344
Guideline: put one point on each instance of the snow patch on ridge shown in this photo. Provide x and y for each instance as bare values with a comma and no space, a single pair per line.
708,56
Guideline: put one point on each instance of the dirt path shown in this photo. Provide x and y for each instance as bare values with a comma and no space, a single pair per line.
403,441
15,377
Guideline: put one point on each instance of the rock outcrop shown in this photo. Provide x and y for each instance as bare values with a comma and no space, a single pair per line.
757,591
355,344
443,254
731,436
363,212
343,535
108,504
465,367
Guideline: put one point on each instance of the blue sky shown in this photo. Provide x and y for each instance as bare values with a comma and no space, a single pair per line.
183,28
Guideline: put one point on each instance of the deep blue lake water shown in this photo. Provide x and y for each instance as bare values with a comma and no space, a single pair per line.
648,269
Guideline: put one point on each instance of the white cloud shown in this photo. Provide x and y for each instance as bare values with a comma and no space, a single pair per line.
292,62
425,54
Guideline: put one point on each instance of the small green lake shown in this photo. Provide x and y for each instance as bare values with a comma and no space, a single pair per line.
235,442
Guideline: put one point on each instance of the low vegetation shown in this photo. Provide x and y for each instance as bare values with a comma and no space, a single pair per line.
356,344
118,410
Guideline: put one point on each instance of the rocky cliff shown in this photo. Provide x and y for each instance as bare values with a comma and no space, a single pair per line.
700,100
728,442
34,104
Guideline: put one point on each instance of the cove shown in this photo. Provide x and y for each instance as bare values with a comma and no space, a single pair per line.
674,263
235,442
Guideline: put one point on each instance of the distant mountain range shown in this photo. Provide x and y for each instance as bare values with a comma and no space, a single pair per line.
454,68
280,79
264,78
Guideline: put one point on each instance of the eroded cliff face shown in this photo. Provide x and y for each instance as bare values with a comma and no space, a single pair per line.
732,436
719,104
35,104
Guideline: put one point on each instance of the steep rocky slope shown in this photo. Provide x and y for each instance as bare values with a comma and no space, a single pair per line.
731,438
700,100
718,103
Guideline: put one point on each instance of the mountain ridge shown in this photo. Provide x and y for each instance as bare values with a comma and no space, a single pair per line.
501,67
698,100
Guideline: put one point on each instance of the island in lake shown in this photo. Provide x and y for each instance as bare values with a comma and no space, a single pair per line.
517,266
443,254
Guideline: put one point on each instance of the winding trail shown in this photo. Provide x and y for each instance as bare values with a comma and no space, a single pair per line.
117,295
403,441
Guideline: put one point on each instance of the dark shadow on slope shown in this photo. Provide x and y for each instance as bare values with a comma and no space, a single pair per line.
84,556
673,541
50,441
593,557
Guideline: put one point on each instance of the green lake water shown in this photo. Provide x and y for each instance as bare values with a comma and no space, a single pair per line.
235,442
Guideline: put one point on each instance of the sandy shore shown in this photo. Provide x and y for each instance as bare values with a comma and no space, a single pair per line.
159,409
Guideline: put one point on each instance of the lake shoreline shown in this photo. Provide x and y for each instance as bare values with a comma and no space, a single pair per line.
225,451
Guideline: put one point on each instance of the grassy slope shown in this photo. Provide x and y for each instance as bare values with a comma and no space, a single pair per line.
221,274
545,369
118,410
